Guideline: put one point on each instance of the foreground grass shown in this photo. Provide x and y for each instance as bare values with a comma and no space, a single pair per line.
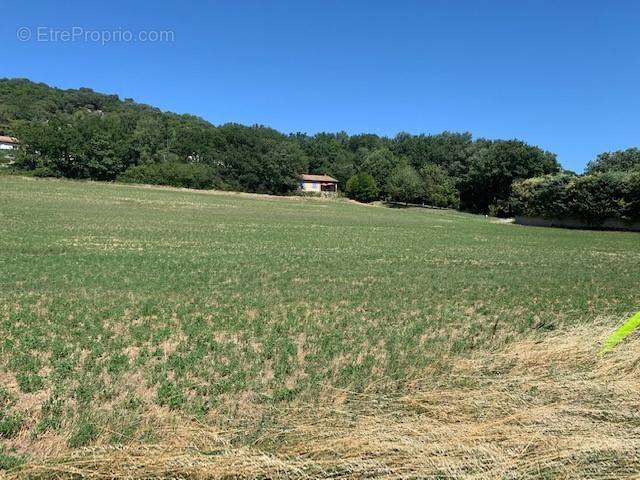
534,409
126,310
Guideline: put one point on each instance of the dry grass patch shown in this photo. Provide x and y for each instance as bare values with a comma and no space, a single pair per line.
537,409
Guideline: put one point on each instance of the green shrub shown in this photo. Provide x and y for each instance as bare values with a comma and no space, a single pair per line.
590,198
44,172
546,196
632,207
595,198
618,161
439,188
405,185
175,174
362,187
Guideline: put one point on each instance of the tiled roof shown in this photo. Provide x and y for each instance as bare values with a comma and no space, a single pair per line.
318,178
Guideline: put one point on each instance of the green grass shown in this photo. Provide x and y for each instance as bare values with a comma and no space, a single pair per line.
9,459
114,297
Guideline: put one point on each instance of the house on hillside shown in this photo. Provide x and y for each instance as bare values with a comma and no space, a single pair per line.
322,184
8,143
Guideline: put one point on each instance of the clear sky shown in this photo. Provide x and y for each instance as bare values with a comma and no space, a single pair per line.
564,75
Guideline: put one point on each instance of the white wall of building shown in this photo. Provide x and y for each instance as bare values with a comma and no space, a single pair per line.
308,186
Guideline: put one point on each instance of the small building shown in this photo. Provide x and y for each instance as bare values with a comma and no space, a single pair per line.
318,183
8,143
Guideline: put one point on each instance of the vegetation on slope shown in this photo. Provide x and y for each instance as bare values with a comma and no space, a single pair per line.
610,190
619,161
592,198
84,134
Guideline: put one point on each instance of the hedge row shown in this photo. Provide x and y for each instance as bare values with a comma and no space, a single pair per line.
175,174
590,198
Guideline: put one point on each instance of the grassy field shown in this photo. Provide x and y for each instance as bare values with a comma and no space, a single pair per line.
125,309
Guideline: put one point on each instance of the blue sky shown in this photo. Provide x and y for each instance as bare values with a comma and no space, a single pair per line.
564,75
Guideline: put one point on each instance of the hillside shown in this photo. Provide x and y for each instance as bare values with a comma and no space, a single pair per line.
204,334
82,134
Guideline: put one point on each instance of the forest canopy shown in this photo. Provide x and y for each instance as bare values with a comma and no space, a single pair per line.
80,133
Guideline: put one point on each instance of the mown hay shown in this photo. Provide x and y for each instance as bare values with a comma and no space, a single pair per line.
538,409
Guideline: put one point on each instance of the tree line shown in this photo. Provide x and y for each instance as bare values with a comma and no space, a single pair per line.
609,190
79,133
